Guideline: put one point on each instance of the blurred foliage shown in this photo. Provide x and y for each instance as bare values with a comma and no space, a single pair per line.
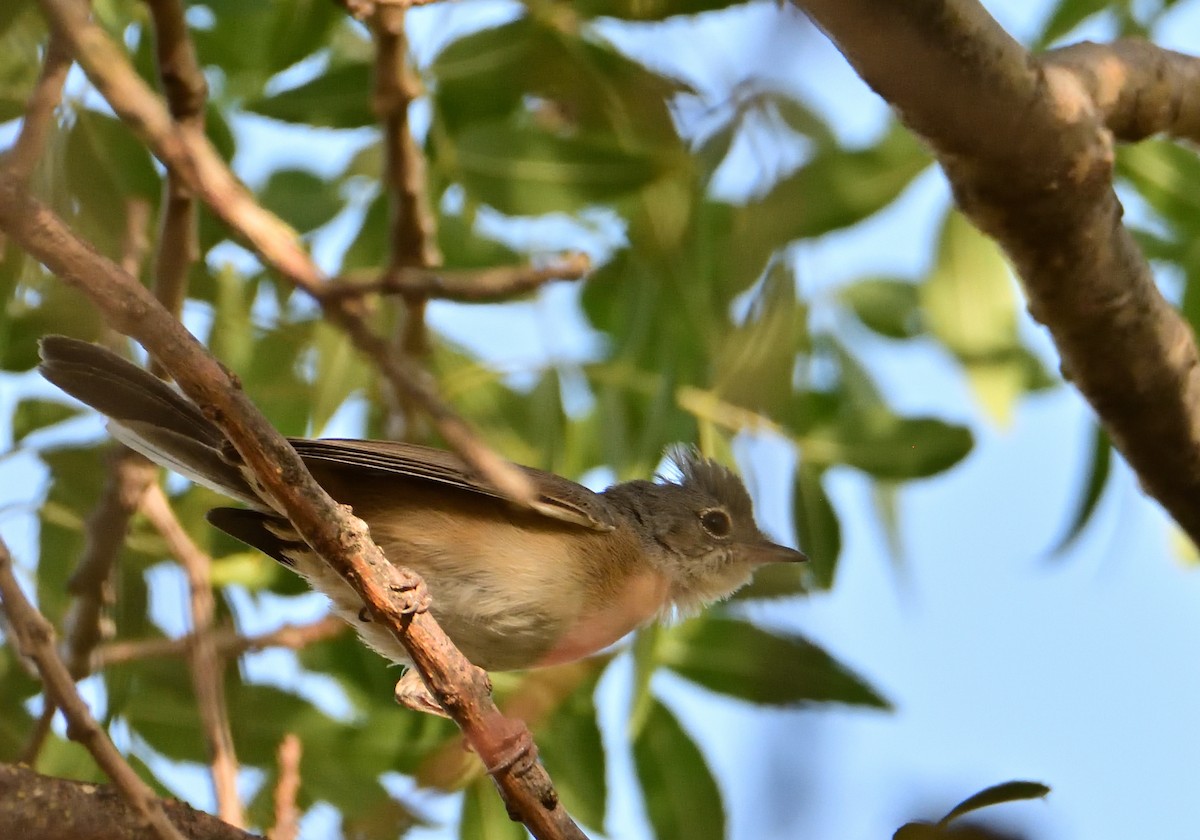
706,332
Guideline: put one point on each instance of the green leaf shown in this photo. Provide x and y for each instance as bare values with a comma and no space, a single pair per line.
526,171
740,660
835,189
888,446
817,527
889,307
484,816
33,414
338,98
996,795
1066,16
682,798
300,198
757,359
970,306
1099,468
340,372
647,10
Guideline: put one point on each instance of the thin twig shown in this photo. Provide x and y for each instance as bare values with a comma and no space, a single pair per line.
186,91
287,815
35,639
27,149
467,286
226,640
37,738
193,157
129,475
208,672
395,597
412,234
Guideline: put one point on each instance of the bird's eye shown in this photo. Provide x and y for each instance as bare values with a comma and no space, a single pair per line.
716,522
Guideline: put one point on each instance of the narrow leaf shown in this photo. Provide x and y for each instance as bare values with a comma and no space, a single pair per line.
740,660
996,795
682,798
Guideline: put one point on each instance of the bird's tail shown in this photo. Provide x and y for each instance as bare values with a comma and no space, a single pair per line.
147,414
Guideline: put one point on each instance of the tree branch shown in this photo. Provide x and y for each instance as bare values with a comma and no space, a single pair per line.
226,640
129,475
27,149
468,286
1029,157
395,597
287,816
1139,89
208,669
37,807
187,91
35,639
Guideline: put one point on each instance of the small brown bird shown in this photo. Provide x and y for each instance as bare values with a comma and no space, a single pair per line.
513,588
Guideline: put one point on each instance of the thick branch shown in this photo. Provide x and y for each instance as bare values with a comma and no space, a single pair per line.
193,159
37,807
395,597
35,639
1030,159
1139,89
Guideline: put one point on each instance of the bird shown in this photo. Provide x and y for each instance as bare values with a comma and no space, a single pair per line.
513,587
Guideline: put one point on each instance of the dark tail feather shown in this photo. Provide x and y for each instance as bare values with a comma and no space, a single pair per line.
251,527
147,414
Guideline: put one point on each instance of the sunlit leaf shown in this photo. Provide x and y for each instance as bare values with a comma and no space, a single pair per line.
337,98
889,307
33,414
528,171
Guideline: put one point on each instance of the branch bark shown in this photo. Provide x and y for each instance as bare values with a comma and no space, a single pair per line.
35,639
37,807
1027,144
395,597
207,667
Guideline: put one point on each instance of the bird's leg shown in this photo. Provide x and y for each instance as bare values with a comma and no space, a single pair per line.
412,693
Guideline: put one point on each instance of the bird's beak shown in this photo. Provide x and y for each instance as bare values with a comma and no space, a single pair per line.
764,552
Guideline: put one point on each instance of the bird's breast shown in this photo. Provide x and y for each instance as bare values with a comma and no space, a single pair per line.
640,598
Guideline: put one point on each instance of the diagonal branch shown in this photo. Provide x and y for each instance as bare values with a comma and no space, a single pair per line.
35,639
395,597
1026,145
27,149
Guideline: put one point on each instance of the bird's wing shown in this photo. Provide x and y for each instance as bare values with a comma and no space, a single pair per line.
558,498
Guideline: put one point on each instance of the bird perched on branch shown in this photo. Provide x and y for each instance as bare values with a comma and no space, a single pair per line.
513,587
